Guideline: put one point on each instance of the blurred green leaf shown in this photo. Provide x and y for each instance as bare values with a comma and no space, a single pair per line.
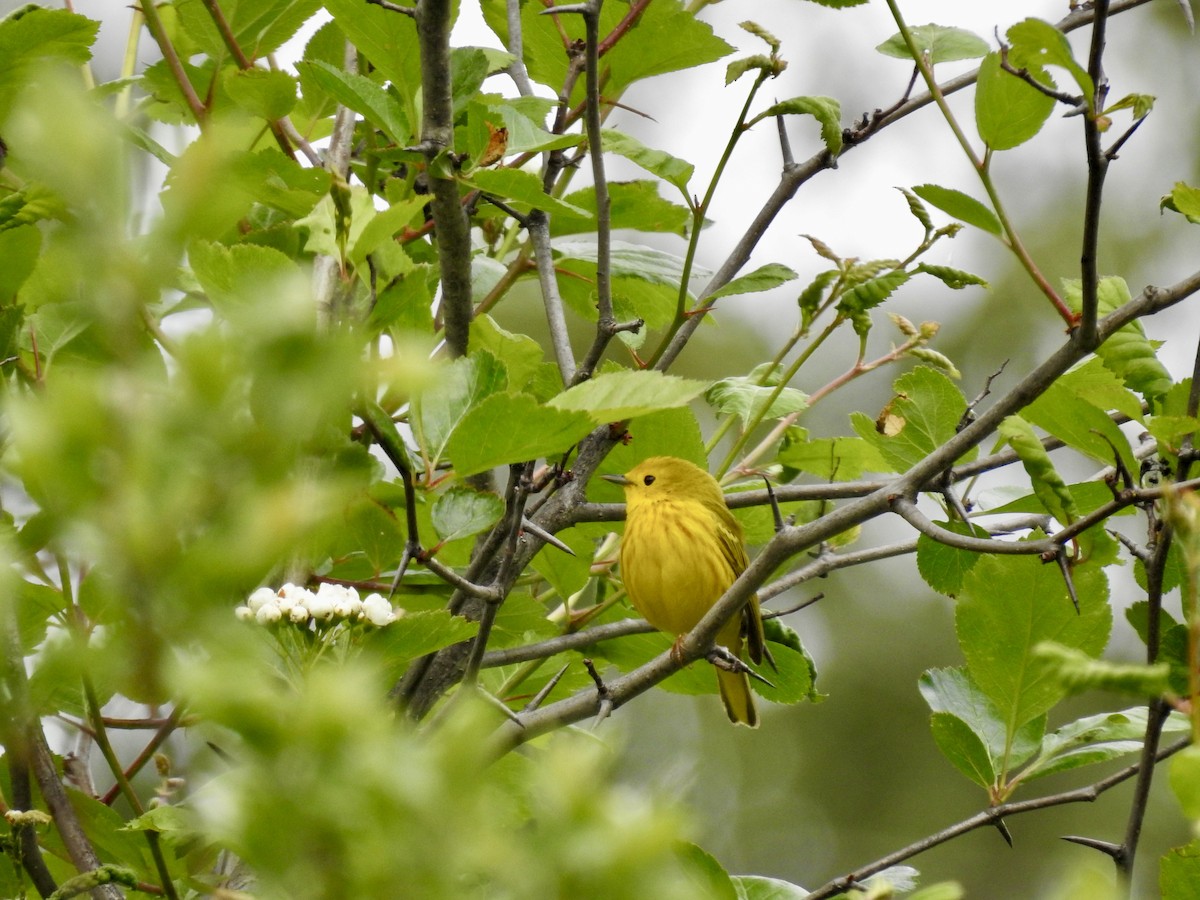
1179,873
364,96
463,384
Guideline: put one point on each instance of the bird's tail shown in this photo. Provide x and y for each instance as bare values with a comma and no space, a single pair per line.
735,694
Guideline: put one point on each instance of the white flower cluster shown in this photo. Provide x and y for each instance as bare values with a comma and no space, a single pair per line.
329,603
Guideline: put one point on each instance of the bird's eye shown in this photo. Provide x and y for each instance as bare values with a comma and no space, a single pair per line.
648,480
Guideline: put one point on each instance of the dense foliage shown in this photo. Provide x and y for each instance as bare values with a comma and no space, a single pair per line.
309,575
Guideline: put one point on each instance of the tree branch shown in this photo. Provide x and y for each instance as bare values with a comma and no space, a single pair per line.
988,817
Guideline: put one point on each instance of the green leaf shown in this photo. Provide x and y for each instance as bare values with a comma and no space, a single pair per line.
389,41
937,43
1079,672
635,205
463,511
961,206
461,385
1047,483
264,93
468,69
1066,411
793,679
364,96
764,278
955,279
759,887
1008,112
666,38
1037,44
657,162
520,354
826,110
706,874
524,189
614,396
838,4
672,432
744,397
871,293
19,248
1185,200
943,567
1095,739
1008,606
416,634
962,746
829,459
511,428
1185,781
952,692
32,33
236,277
1127,352
632,261
923,415
1179,872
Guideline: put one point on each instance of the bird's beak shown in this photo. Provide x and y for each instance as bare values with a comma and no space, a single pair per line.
616,479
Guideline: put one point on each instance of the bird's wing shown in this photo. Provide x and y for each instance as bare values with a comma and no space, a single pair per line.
733,548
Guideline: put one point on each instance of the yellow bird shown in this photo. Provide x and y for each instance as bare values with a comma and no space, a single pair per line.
681,551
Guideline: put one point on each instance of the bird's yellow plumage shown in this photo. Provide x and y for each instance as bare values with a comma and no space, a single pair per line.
681,551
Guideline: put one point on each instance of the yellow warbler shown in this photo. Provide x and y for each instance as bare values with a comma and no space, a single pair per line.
681,551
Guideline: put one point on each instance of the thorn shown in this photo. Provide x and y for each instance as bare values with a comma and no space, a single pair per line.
1064,566
410,551
542,534
602,692
785,146
581,9
550,685
1004,832
1114,851
774,505
499,704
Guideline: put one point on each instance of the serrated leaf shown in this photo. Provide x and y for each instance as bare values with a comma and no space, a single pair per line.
462,384
1008,112
1009,605
1066,411
826,110
962,746
511,428
937,43
743,397
264,93
657,162
614,396
463,511
416,634
1183,199
923,415
961,206
362,95
793,679
830,459
635,205
943,567
917,208
1179,867
764,278
871,293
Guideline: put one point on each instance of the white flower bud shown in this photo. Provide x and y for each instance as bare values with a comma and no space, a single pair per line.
260,598
298,614
268,615
244,613
377,610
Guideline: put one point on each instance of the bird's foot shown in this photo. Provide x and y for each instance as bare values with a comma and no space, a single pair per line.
722,658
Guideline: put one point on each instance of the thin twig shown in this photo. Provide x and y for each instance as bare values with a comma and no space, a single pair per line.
1097,167
987,817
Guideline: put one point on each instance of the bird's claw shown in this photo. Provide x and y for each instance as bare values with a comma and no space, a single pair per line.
722,658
